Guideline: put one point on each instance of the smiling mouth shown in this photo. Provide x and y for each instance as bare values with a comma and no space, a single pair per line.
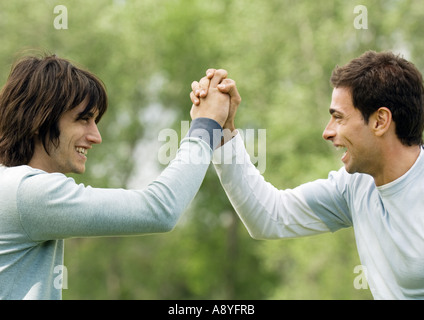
340,147
81,151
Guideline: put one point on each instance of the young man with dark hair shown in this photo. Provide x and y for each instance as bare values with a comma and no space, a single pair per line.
49,110
377,116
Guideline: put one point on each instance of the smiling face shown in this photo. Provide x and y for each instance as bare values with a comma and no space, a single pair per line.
77,135
348,130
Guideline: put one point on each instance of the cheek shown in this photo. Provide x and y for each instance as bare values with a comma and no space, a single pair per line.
68,137
362,140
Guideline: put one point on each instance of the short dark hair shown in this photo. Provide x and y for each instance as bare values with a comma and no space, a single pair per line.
36,94
384,79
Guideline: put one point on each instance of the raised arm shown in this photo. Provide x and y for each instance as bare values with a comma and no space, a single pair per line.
51,206
266,211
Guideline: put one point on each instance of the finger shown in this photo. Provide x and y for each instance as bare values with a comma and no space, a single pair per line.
229,86
226,85
204,86
194,99
210,73
218,76
195,88
192,111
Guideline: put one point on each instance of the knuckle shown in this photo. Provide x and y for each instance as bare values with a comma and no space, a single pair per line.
204,80
222,72
229,82
194,85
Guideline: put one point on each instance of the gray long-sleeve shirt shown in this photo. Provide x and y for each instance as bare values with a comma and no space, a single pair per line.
388,220
38,210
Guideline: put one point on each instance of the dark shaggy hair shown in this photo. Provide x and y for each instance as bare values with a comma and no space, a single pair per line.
385,80
35,96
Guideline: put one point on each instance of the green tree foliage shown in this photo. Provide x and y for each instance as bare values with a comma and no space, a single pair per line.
148,52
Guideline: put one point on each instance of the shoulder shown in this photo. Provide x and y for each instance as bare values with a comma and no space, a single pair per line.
11,177
19,173
340,187
31,182
347,180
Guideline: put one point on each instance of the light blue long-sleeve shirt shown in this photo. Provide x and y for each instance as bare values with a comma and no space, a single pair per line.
38,210
388,221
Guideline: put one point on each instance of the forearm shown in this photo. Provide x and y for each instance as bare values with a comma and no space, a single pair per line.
53,206
267,212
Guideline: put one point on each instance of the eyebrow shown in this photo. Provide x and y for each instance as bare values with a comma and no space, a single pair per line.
89,114
332,110
84,114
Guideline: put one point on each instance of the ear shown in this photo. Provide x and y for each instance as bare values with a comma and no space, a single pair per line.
381,121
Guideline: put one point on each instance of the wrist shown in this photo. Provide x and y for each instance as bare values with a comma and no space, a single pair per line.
229,125
227,135
206,129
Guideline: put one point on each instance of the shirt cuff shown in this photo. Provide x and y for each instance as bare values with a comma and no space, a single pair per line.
208,130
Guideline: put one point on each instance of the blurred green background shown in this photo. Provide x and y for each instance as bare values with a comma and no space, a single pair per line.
148,52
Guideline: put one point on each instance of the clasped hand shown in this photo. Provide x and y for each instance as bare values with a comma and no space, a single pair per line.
215,97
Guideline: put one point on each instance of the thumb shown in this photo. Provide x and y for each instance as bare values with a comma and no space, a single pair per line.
229,86
219,76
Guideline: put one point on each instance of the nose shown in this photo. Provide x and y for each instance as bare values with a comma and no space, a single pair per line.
329,132
94,135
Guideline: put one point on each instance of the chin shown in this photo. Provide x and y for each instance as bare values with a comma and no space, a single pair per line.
350,169
78,170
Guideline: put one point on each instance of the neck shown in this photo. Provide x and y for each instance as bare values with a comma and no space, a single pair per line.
397,161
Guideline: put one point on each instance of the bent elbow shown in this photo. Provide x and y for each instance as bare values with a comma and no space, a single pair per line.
171,220
258,237
254,234
267,235
170,226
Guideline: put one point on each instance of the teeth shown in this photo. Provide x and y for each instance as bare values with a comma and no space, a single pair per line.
81,150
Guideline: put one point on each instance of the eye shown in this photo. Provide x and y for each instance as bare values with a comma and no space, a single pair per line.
337,116
86,118
83,119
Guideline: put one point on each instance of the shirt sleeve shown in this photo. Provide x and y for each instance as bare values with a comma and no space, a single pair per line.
208,130
270,213
52,206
